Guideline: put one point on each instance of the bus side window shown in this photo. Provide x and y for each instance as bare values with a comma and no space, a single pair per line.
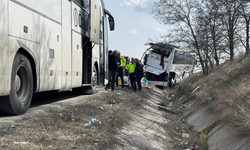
84,4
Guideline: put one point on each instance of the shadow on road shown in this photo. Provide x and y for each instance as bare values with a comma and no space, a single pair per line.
44,98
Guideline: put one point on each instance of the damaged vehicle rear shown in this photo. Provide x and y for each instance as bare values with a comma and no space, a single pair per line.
165,64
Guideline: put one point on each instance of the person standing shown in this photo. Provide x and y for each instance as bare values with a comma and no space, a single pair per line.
114,62
126,70
120,69
109,71
131,68
138,73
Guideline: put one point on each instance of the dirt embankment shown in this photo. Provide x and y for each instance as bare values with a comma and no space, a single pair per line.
219,107
125,120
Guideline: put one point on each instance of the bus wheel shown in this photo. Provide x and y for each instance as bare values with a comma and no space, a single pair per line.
170,82
94,80
21,91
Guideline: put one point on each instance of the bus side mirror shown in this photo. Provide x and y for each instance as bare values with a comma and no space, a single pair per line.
111,24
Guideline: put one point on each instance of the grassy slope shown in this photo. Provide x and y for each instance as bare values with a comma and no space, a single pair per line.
229,88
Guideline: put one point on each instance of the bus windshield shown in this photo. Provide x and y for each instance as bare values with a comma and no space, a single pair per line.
183,58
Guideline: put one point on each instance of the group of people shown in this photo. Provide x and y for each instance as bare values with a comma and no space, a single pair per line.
118,65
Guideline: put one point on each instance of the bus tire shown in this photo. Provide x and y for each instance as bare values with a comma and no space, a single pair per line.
94,80
21,92
91,89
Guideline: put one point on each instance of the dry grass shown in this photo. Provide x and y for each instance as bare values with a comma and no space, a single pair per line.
229,88
65,129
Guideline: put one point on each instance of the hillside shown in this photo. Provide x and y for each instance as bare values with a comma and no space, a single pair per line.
219,99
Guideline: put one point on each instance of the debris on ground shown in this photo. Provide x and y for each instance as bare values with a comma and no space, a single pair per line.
192,148
112,101
93,120
166,110
50,146
21,143
144,81
195,89
209,98
168,97
185,135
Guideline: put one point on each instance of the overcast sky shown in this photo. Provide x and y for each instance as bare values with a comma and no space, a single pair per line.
134,26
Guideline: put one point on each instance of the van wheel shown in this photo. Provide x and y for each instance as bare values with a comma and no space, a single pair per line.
21,91
170,82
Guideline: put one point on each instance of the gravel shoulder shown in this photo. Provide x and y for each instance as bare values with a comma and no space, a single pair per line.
125,120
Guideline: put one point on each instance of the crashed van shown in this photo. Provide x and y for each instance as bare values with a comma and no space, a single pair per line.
165,64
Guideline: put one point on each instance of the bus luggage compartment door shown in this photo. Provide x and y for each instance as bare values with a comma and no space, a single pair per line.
95,21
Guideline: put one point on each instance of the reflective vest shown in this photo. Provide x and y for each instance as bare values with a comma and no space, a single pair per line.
131,67
123,61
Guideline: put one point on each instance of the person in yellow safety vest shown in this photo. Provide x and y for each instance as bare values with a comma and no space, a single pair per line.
131,67
126,70
120,69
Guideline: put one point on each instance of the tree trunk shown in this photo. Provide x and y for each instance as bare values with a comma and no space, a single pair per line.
202,64
247,36
231,37
199,55
206,59
206,65
231,41
215,51
197,48
211,63
207,53
231,47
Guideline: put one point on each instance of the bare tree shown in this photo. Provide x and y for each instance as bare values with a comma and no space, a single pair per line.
208,28
215,29
245,13
230,12
181,13
202,31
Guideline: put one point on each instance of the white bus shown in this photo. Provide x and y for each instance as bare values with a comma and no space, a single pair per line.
51,45
164,64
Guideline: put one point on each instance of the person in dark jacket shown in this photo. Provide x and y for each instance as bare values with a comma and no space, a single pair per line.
138,74
114,62
120,69
109,71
